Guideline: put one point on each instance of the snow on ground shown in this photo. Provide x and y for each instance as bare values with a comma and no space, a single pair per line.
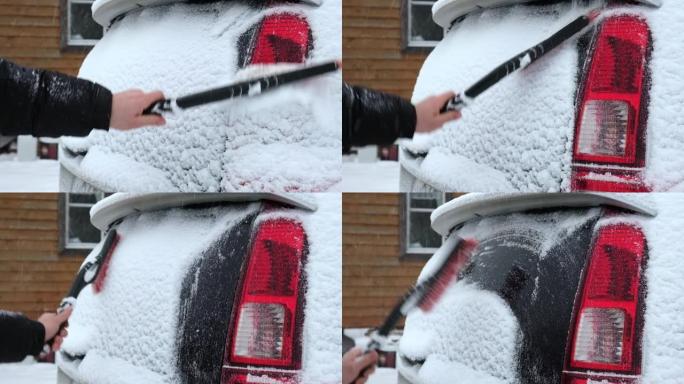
29,176
28,373
381,176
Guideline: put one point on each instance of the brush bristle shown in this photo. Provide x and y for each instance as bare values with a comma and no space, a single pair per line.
448,273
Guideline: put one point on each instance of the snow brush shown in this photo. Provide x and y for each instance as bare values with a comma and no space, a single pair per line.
246,88
453,255
87,274
521,60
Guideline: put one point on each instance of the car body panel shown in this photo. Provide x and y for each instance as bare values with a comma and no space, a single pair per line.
458,211
168,264
250,144
518,135
661,341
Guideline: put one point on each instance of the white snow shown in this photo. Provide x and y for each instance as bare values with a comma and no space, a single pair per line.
28,372
485,340
284,140
129,329
29,176
523,127
380,176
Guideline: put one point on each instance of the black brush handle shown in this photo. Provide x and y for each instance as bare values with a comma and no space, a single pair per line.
518,60
254,86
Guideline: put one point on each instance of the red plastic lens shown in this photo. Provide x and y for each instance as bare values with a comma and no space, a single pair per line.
611,120
266,328
605,333
572,379
282,38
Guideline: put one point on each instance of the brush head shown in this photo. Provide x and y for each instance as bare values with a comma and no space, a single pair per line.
435,286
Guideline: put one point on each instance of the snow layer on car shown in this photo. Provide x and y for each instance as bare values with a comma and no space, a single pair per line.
484,319
132,323
266,143
524,126
663,343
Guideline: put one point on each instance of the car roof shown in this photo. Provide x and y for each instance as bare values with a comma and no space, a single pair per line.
444,12
474,205
104,11
120,205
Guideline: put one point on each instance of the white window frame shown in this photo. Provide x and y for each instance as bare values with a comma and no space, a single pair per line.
77,42
409,26
408,250
65,233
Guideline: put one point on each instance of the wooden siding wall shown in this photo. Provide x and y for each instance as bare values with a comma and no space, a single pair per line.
30,35
372,47
33,277
374,276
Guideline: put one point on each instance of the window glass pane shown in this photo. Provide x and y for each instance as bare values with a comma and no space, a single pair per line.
422,235
83,198
83,27
80,229
423,28
425,200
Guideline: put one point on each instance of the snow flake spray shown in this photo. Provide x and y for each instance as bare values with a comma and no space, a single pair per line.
450,259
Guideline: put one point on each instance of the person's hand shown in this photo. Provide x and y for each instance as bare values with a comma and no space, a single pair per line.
428,116
52,323
358,366
128,107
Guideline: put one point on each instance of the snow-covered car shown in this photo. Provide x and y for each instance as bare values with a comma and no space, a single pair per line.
210,288
602,112
560,288
281,141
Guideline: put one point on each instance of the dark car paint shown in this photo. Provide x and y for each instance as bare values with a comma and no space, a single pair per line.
510,267
207,297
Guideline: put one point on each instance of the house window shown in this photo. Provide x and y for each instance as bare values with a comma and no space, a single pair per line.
420,239
80,30
421,31
77,231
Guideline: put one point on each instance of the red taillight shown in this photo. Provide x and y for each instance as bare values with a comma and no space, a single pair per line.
281,38
266,328
611,121
605,336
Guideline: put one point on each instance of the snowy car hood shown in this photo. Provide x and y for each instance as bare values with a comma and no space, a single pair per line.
256,144
518,135
120,205
662,343
126,333
104,11
473,205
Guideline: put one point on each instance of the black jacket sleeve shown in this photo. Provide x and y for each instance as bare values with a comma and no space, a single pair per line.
42,103
372,117
19,337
